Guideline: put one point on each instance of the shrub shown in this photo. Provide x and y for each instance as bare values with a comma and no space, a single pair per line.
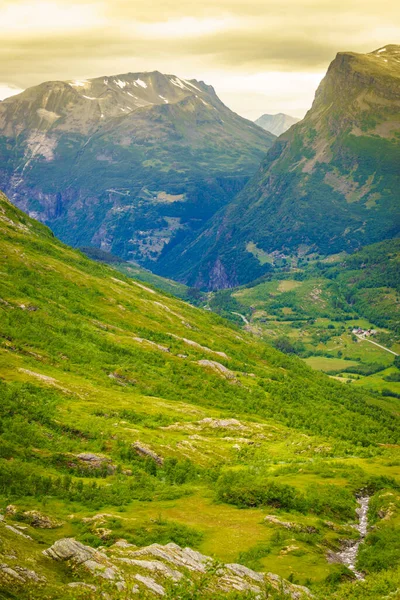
245,489
381,550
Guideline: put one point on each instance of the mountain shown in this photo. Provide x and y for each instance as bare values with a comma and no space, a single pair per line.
276,124
329,184
140,435
125,163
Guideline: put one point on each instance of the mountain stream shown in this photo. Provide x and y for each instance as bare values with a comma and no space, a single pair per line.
349,555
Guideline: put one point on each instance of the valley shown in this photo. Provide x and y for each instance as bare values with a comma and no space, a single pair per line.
329,184
199,314
314,309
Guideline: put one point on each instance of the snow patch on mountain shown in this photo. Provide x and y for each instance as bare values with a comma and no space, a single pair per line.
140,82
178,83
78,83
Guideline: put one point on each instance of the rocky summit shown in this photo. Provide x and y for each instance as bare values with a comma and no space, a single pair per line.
329,184
128,163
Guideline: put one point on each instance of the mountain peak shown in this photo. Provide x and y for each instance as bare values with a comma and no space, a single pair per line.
392,50
124,93
89,103
377,62
276,124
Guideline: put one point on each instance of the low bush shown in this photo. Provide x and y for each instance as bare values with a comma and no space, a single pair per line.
380,551
245,489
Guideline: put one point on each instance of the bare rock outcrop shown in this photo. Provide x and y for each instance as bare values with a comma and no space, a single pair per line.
97,563
147,452
40,521
199,346
156,567
292,590
71,549
94,461
21,574
291,525
18,531
151,343
218,368
221,423
150,584
174,554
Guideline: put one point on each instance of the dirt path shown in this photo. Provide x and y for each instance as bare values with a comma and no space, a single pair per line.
376,344
242,317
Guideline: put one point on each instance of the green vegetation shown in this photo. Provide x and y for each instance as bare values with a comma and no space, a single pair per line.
174,288
311,308
178,426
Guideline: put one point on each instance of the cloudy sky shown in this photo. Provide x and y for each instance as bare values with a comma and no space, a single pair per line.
260,55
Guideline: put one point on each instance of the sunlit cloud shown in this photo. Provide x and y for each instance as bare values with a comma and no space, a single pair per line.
32,19
259,55
185,27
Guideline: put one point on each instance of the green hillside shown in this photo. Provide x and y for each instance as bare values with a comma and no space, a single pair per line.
168,286
370,281
329,184
128,414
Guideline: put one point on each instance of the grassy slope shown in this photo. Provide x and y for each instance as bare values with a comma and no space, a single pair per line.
168,286
74,379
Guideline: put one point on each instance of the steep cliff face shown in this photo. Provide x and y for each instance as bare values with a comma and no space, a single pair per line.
331,183
127,162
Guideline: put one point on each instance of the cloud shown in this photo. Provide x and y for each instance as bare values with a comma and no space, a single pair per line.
6,91
218,38
37,18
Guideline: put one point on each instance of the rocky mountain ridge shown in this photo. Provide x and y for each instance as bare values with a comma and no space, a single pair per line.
125,163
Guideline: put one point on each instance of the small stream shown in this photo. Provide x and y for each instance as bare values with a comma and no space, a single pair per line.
349,555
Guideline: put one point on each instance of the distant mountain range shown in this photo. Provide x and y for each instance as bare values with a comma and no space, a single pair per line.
126,163
276,124
330,183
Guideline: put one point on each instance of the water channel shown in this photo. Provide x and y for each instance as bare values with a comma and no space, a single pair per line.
348,556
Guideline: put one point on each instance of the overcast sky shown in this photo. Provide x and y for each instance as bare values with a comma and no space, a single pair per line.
261,56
